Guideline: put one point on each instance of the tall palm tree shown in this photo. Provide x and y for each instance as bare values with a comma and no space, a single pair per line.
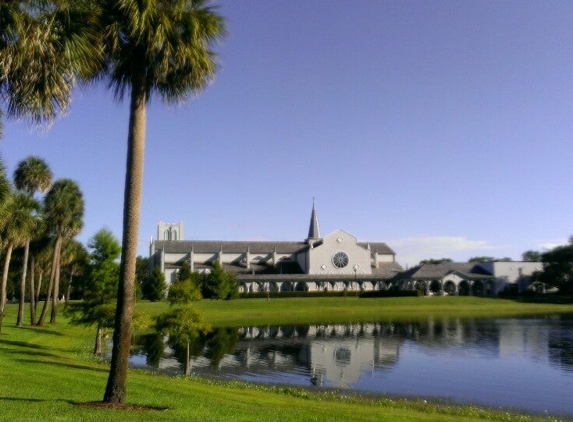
18,227
31,175
159,48
64,211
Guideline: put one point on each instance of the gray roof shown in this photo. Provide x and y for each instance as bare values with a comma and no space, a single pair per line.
379,247
436,271
254,247
229,246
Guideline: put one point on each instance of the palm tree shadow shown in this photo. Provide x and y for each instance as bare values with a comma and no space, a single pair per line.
21,399
42,330
23,344
67,365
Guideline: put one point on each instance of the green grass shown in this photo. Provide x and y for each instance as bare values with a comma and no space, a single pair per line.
47,372
244,312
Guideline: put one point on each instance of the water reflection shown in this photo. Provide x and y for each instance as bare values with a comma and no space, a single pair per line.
504,361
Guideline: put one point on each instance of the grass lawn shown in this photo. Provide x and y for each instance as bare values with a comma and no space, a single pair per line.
246,312
47,373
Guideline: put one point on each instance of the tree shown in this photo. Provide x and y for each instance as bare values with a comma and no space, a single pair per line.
144,48
220,284
183,326
558,268
154,286
187,286
100,286
45,47
31,175
64,211
435,261
73,259
150,48
17,228
531,256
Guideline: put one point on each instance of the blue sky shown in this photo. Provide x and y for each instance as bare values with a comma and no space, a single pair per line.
443,128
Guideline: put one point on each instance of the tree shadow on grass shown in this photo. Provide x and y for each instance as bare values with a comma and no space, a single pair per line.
23,344
556,299
91,404
67,365
41,330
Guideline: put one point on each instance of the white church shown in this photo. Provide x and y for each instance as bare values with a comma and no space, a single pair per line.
335,262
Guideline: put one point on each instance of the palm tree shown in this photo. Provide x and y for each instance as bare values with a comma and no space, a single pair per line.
64,211
19,225
74,259
41,259
31,175
151,48
45,46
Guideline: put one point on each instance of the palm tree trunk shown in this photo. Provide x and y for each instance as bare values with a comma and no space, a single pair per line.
97,346
186,366
116,384
32,293
20,319
55,296
5,283
69,291
50,289
38,290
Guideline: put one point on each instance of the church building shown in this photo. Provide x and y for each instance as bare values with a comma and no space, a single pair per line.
337,261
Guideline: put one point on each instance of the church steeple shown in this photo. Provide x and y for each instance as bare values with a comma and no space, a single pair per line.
313,229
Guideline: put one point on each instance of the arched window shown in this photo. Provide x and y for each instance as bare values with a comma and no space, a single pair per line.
167,235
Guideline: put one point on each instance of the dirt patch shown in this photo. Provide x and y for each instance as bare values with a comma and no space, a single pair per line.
120,406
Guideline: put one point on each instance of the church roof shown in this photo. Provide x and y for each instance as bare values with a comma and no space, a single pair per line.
229,246
427,271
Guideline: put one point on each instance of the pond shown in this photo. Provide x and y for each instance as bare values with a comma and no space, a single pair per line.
520,363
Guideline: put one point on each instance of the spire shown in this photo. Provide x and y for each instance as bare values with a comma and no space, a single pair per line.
313,229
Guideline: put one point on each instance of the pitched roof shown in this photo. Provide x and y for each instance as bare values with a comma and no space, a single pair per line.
215,246
471,269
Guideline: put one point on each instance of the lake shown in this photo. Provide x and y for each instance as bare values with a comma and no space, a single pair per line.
520,363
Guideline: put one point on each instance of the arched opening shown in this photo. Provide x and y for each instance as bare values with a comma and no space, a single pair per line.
436,287
478,288
286,287
450,288
301,286
421,285
273,287
464,288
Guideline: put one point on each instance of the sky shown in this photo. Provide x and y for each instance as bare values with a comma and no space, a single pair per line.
443,128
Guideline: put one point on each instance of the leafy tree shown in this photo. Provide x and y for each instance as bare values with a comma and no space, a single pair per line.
153,287
220,284
482,259
184,292
99,287
64,211
558,268
435,261
18,226
187,286
141,273
31,175
531,256
183,326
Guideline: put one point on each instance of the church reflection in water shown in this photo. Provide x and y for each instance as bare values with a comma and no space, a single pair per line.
338,355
